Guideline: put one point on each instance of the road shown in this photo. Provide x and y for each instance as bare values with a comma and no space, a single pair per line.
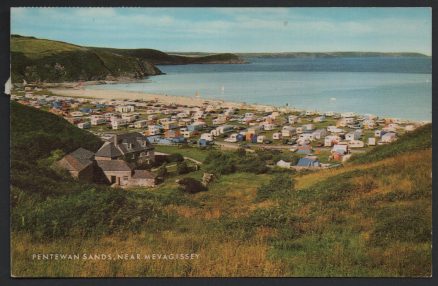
228,145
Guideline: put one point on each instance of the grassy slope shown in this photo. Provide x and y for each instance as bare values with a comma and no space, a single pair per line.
53,61
364,219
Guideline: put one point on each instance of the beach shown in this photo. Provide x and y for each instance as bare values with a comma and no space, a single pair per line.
166,99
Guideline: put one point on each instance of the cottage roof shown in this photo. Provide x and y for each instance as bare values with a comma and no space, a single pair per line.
77,160
108,149
113,165
121,144
143,174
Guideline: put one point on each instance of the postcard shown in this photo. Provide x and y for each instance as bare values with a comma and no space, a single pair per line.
221,142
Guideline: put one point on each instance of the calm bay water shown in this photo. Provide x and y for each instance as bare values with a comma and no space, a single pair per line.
396,87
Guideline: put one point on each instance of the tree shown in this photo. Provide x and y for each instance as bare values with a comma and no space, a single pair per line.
182,168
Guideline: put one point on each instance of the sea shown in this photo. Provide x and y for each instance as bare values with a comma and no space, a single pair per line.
399,87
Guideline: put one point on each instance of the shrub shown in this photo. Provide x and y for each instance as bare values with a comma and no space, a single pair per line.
190,185
175,157
182,168
162,172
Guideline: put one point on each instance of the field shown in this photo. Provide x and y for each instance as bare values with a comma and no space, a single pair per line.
369,218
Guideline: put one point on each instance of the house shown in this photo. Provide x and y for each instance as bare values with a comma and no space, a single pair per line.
79,164
143,178
284,164
116,172
133,147
308,162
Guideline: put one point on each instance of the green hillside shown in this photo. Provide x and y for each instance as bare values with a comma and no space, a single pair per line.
41,60
417,140
369,218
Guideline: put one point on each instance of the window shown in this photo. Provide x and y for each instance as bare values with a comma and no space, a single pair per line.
125,178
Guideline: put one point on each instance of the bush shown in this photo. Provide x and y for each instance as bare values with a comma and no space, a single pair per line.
190,185
182,168
162,172
175,157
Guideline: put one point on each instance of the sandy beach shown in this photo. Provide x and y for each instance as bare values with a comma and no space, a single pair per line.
166,99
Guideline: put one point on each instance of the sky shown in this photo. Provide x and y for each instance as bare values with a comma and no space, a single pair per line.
233,29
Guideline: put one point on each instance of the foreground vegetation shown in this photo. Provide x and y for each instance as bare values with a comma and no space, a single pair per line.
367,218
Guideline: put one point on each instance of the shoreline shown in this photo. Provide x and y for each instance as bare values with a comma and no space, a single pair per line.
166,99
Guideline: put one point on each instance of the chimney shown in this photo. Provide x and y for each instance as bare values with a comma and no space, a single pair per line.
115,139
